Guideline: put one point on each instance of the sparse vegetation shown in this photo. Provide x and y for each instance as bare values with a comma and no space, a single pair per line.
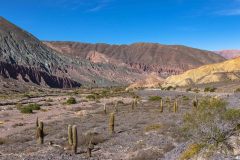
196,90
152,127
210,89
191,151
185,98
237,90
211,123
188,89
71,100
28,108
155,98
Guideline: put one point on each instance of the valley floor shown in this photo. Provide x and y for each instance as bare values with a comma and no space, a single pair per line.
141,133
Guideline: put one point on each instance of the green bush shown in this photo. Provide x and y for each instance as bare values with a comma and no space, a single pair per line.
237,90
71,100
210,89
188,89
185,98
34,106
91,97
26,110
196,90
211,122
155,98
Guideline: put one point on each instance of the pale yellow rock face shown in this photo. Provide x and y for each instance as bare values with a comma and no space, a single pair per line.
150,82
219,72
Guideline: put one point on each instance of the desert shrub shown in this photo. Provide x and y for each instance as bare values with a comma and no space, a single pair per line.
2,141
91,97
71,100
155,98
210,89
19,106
185,98
196,90
237,90
49,100
169,88
211,122
26,110
120,102
152,127
191,151
188,89
33,106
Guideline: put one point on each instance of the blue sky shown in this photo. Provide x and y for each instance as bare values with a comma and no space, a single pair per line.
205,24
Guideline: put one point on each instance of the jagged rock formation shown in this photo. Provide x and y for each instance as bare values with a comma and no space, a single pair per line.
148,57
229,54
23,57
219,72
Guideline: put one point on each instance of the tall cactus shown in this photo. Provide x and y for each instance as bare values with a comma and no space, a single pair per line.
70,135
175,106
40,133
75,139
161,105
111,123
116,106
105,108
195,102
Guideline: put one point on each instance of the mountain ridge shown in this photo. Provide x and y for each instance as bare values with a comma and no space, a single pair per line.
147,57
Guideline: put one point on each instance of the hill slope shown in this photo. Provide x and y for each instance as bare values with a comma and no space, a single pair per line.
148,57
219,72
229,54
26,59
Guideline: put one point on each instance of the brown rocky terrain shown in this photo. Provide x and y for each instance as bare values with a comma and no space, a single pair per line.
148,57
229,54
26,59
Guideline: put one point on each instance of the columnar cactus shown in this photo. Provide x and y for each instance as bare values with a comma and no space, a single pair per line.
105,109
70,135
75,139
40,133
175,106
195,102
161,105
90,148
116,107
111,123
133,105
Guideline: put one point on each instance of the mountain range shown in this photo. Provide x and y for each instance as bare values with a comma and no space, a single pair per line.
229,54
27,61
147,57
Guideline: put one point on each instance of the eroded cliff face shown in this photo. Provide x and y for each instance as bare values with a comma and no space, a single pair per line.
147,57
32,75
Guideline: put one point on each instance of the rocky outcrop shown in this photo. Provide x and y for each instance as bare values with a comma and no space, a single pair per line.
32,75
147,57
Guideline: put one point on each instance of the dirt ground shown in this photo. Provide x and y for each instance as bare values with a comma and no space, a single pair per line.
140,133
